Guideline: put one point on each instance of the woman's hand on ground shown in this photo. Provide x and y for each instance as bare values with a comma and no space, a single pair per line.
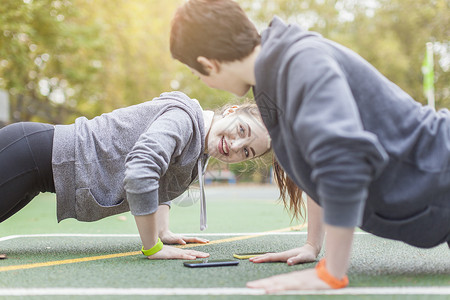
304,254
168,237
298,280
169,252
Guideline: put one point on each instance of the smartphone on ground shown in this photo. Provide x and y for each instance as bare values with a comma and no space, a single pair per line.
210,263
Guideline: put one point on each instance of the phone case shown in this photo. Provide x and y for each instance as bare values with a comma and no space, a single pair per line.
210,263
247,255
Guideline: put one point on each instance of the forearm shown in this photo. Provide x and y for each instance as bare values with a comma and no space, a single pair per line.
338,248
316,230
162,218
148,229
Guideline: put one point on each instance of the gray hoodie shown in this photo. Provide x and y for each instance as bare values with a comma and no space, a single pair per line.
354,141
133,158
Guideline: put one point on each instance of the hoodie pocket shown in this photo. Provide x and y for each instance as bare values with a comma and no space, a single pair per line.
88,209
426,229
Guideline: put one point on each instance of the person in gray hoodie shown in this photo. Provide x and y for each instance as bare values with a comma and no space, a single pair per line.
366,153
136,158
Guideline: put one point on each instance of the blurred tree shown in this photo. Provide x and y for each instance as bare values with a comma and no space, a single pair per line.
137,65
393,38
60,59
36,50
391,34
255,170
63,58
45,58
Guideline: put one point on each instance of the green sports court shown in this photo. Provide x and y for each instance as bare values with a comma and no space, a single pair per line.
101,260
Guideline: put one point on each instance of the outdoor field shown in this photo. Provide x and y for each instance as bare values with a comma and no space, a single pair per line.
101,260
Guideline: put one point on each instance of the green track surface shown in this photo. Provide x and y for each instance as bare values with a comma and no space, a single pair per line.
375,262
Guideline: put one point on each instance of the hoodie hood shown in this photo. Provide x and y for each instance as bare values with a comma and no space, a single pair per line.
275,41
277,49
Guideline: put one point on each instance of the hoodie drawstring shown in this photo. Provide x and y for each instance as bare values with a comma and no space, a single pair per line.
201,171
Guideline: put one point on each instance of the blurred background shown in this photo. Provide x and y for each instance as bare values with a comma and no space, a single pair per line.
61,59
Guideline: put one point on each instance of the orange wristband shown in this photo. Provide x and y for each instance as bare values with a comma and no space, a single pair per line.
329,279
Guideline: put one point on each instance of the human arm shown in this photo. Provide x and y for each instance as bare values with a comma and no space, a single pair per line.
329,132
316,230
146,163
148,230
310,250
338,246
343,157
168,237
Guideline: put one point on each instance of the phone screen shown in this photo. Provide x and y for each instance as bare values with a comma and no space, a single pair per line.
210,263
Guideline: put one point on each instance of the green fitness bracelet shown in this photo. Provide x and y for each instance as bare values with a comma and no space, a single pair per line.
155,249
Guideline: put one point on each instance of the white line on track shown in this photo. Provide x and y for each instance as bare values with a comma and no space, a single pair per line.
11,237
437,290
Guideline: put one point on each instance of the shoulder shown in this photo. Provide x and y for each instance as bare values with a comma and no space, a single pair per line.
310,50
312,58
178,115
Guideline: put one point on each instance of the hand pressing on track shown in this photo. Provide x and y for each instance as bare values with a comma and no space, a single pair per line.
169,252
168,237
298,280
148,230
304,254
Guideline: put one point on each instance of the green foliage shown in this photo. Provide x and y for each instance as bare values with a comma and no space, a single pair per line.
390,34
44,54
60,59
255,170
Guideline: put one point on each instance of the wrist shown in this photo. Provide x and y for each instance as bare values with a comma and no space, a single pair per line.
163,232
329,279
314,248
153,250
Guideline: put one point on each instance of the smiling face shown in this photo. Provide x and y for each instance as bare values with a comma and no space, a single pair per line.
237,137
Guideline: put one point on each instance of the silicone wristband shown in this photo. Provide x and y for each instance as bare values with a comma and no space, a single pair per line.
329,279
155,249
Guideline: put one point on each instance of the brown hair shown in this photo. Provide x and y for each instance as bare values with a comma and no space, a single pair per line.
215,29
247,107
289,191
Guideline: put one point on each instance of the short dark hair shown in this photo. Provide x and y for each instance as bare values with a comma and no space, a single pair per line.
215,29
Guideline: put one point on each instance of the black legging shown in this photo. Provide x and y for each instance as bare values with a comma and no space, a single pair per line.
25,165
